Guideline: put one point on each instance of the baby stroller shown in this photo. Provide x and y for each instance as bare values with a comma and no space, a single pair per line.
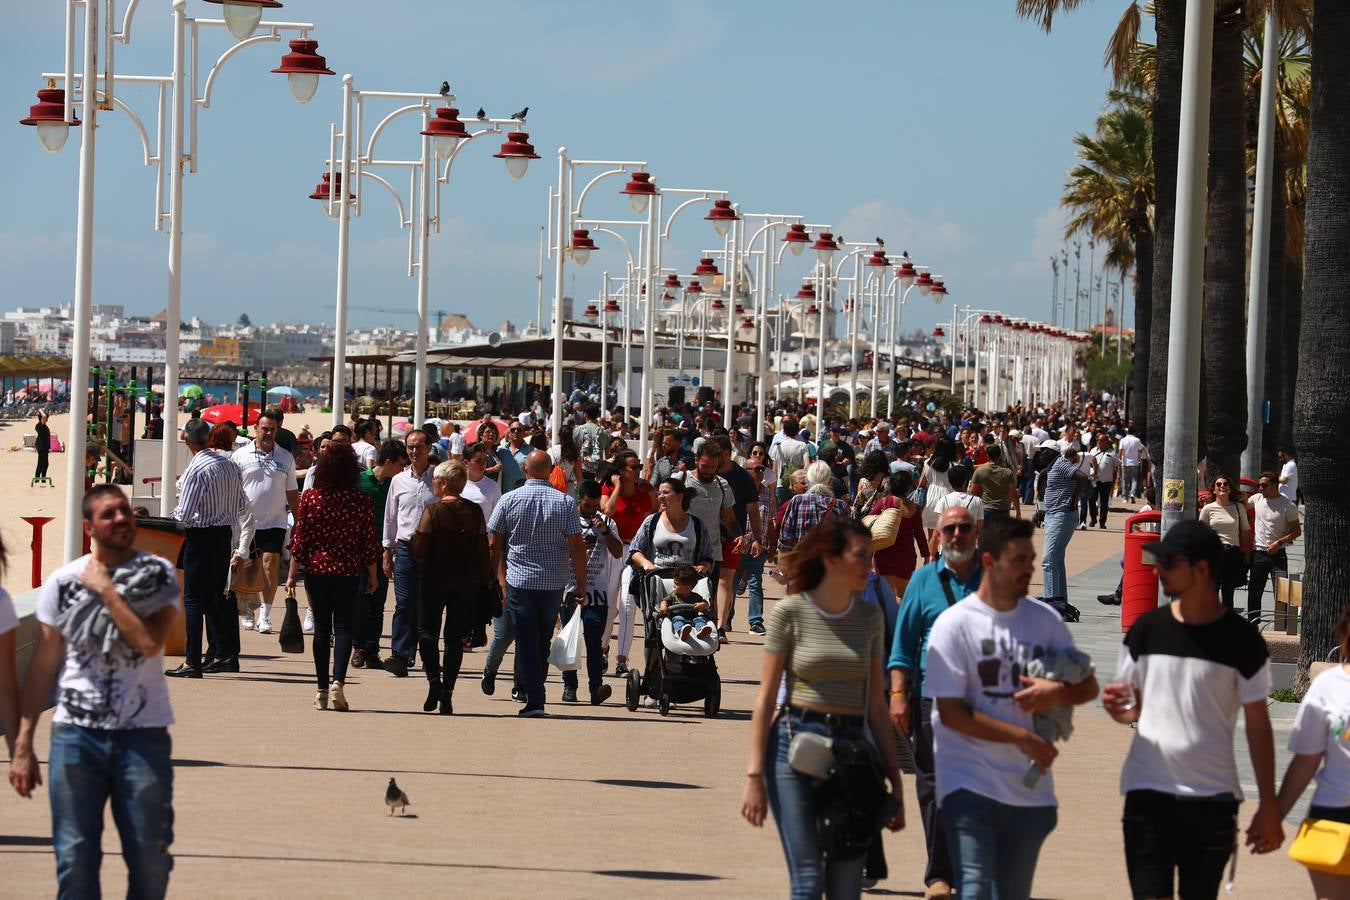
674,670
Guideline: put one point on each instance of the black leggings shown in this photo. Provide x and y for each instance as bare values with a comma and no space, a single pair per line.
41,470
1167,835
332,599
456,603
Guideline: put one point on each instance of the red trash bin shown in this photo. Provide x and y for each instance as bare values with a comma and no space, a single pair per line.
1139,588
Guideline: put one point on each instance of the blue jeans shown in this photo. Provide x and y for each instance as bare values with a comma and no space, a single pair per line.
792,802
533,615
750,577
677,623
994,846
132,768
1059,527
1026,485
407,587
593,620
503,636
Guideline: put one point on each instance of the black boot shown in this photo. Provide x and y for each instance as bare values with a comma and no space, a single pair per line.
433,696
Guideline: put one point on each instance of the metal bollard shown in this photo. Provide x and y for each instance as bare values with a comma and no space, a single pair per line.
37,522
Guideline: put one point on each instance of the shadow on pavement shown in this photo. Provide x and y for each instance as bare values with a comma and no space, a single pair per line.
644,874
24,840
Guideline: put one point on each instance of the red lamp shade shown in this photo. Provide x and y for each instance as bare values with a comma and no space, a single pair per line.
582,246
878,259
612,306
706,272
517,151
445,131
812,310
302,67
324,190
747,322
825,246
938,291
924,283
986,319
740,309
48,115
718,305
721,215
694,287
591,311
906,273
807,292
639,191
673,284
938,332
796,239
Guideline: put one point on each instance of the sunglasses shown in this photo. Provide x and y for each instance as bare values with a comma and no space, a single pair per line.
1219,484
962,527
754,468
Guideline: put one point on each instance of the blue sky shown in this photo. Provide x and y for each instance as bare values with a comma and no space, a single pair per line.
944,127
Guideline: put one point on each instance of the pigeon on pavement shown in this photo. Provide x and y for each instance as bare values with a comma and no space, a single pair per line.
394,798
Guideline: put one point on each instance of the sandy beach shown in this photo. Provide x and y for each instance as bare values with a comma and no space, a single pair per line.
16,469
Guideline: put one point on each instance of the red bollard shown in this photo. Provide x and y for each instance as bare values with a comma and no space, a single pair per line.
1139,586
37,522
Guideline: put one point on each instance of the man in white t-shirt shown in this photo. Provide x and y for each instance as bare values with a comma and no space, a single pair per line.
103,620
1288,476
1105,467
1130,450
984,734
269,481
453,436
1185,672
1277,527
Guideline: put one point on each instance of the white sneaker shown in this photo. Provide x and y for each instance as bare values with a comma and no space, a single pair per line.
263,626
650,702
247,621
308,627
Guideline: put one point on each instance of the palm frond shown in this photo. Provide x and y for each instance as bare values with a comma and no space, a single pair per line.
1124,43
1043,12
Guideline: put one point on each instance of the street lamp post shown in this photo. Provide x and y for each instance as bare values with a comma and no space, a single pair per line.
302,66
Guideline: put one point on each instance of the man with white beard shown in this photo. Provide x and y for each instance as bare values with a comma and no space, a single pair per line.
934,588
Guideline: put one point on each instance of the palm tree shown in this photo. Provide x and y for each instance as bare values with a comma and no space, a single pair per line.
1225,358
1111,195
1322,404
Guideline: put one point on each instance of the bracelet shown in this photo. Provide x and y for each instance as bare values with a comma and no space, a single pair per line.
754,774
895,693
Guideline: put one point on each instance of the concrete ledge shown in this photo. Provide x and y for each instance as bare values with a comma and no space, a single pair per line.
1282,646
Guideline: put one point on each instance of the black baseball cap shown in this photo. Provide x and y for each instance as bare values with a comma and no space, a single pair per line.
1192,539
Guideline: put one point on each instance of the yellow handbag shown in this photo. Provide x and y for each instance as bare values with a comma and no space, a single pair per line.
1322,845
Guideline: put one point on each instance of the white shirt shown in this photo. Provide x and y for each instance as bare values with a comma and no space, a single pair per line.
977,653
485,492
960,498
599,561
267,478
1289,472
408,496
456,444
1323,726
9,620
1273,518
1105,462
365,453
1040,435
119,689
1129,450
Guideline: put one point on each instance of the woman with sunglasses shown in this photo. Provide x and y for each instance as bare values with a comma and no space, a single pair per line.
627,500
1228,516
829,645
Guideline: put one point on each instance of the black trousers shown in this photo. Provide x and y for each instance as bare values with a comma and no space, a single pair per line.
455,603
939,866
1189,838
333,599
1263,566
1101,502
370,615
206,567
42,459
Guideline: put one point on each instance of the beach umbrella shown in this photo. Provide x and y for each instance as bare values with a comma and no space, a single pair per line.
230,412
471,432
285,391
189,390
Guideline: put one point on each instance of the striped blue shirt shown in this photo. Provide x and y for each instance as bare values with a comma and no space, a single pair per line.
1060,480
536,520
212,492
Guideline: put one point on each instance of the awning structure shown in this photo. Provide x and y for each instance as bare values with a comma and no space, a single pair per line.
34,367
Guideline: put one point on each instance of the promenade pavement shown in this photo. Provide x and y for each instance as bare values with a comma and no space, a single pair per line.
274,799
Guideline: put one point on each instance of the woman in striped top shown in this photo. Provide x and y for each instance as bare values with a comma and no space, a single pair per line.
829,644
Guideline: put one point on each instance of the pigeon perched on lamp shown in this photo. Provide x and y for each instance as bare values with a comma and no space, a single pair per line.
445,88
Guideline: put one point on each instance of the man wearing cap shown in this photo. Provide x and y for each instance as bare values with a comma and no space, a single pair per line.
1186,670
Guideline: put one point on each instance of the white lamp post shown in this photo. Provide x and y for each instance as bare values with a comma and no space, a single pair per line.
98,91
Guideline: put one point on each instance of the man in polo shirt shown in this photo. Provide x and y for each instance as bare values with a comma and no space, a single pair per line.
535,536
268,471
1277,527
936,586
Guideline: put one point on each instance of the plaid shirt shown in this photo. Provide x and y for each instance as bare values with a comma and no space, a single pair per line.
536,520
804,512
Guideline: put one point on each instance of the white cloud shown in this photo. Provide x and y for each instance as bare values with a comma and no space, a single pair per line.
1047,238
924,238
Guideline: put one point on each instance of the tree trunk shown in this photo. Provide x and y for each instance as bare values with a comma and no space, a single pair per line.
1225,357
1170,24
1274,351
1322,403
1293,317
1143,320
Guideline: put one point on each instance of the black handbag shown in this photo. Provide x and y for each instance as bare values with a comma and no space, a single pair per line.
853,803
291,636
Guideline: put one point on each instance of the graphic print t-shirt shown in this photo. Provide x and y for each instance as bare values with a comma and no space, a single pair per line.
978,654
598,561
1323,726
1192,680
121,688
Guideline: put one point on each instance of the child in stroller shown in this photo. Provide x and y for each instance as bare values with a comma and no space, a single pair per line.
686,579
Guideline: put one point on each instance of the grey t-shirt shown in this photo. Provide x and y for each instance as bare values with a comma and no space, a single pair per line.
707,500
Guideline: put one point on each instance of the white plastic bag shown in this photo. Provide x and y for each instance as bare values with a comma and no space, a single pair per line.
565,654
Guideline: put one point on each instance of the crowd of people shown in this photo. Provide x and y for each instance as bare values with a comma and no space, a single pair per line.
907,634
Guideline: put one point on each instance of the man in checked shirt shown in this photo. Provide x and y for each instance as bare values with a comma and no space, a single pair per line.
211,502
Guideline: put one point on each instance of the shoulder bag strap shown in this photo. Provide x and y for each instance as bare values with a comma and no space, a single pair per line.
945,576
